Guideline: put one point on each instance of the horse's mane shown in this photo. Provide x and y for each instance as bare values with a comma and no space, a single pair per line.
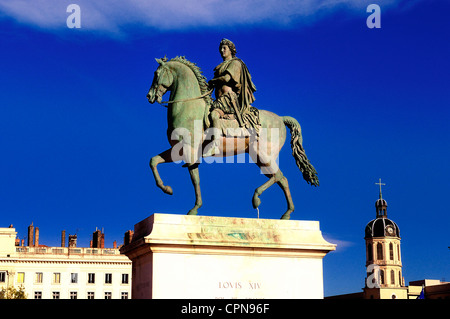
198,74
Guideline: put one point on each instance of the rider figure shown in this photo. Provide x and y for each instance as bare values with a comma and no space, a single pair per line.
234,93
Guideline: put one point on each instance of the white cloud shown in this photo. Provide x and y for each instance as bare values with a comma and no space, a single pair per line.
341,244
113,15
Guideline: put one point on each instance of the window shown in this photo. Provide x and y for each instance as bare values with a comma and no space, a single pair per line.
370,251
400,278
38,295
91,278
56,278
124,295
108,278
20,277
2,276
124,278
73,295
90,295
381,277
74,278
391,251
38,278
380,251
56,295
392,277
107,295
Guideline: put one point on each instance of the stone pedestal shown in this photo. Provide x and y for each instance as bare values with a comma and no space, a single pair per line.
188,257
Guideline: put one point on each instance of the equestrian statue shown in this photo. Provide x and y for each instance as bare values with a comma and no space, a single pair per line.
200,127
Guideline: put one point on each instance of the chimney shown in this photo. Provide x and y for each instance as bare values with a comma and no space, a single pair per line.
72,241
98,239
63,238
31,235
36,237
115,244
128,237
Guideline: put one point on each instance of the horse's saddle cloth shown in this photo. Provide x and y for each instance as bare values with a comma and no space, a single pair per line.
230,127
229,124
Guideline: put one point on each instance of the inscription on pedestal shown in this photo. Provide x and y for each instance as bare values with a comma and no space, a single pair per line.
238,287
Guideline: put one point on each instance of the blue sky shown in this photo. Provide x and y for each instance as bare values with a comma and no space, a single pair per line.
76,130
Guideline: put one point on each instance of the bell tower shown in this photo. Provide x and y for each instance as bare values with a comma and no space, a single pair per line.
383,256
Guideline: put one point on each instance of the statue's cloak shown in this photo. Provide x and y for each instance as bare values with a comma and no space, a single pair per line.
242,85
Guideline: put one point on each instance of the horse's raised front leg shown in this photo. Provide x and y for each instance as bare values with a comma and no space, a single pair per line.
164,157
195,178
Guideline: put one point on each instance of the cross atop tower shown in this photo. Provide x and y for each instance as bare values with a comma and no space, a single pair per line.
380,183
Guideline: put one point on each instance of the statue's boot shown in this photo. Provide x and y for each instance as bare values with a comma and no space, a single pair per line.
212,148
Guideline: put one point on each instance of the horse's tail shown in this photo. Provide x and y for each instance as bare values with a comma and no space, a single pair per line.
302,161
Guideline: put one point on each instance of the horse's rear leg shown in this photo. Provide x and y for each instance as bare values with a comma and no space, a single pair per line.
256,201
283,183
164,157
268,166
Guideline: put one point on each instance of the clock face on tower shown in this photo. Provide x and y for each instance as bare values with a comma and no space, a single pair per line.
390,231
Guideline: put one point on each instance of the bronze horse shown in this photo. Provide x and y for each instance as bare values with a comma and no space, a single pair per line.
187,117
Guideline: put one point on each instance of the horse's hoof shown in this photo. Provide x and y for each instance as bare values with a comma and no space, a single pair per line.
286,216
167,190
256,202
193,212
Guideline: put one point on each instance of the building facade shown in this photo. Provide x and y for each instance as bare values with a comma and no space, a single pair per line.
63,272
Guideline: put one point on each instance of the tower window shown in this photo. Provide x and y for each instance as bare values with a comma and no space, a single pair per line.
370,252
381,276
380,251
392,277
391,251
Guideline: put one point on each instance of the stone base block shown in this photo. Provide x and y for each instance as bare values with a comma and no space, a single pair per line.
186,257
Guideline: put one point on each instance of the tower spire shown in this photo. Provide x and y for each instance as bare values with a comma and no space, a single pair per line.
381,204
380,183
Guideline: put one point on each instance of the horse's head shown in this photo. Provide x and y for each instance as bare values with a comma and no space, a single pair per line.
162,81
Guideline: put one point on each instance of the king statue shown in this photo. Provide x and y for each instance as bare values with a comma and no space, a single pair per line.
234,94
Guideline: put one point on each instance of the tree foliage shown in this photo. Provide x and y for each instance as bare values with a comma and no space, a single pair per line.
13,293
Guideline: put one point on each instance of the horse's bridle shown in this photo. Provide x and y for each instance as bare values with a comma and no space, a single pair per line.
161,90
